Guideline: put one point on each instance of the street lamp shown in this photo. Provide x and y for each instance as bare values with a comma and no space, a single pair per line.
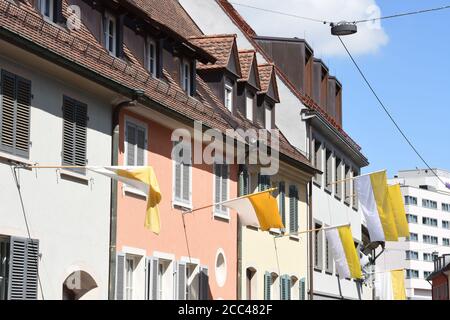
343,28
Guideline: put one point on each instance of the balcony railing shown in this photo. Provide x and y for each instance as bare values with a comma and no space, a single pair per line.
441,262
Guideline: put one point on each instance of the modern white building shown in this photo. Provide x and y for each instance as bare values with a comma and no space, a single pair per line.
427,203
318,135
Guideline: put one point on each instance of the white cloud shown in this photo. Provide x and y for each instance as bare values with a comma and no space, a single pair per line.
369,39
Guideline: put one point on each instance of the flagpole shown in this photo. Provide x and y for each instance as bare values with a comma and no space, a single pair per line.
312,230
353,178
57,167
226,201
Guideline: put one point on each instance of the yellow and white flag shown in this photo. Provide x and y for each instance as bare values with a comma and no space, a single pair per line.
144,179
258,209
340,242
398,207
390,285
373,195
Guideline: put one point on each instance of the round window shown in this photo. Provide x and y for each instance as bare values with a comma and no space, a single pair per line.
221,268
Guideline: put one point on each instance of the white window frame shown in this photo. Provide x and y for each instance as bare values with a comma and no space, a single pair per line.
110,18
221,214
228,97
129,287
186,76
168,276
268,117
42,8
141,125
249,103
151,63
179,202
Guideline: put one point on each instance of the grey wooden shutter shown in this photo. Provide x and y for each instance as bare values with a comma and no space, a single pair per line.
15,115
293,209
57,12
23,269
187,176
181,281
131,144
224,186
151,278
302,288
119,35
177,180
282,202
217,185
267,285
288,287
243,180
204,283
141,140
193,76
120,276
74,133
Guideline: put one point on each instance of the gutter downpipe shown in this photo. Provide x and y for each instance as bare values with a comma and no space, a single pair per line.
114,185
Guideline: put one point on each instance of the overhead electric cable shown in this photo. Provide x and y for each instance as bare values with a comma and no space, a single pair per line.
387,111
404,14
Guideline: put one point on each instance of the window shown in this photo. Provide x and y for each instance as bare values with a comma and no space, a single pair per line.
445,224
328,170
355,198
338,177
221,189
318,161
412,274
152,57
430,239
129,281
269,281
429,204
249,105
411,218
74,133
161,270
244,181
263,182
268,117
318,247
412,255
182,175
15,115
251,284
192,282
446,242
347,184
282,201
18,268
446,207
430,222
110,30
135,144
409,200
293,209
285,287
427,257
229,97
426,274
302,289
47,8
328,257
186,77
414,237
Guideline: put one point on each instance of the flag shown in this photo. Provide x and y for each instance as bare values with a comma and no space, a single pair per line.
373,194
143,179
398,207
340,242
259,209
391,285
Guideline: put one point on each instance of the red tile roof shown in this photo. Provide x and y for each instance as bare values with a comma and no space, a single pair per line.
246,59
220,46
266,76
80,48
306,100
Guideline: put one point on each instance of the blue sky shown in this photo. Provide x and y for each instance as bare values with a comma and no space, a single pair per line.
411,73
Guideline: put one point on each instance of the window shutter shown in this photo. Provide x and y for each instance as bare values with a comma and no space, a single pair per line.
181,277
224,187
120,276
23,269
267,285
151,278
241,186
141,146
177,180
193,76
302,288
288,287
119,35
282,202
159,58
15,114
217,185
187,176
131,142
204,283
58,12
293,209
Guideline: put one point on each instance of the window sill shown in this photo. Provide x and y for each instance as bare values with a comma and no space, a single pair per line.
329,191
11,158
356,209
182,205
294,238
329,273
317,269
338,198
222,216
133,191
318,185
73,175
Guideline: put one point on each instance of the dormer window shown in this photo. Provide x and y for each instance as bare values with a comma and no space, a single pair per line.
110,28
229,97
47,8
151,56
268,117
186,75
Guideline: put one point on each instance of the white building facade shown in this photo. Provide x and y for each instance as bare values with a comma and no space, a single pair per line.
427,203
